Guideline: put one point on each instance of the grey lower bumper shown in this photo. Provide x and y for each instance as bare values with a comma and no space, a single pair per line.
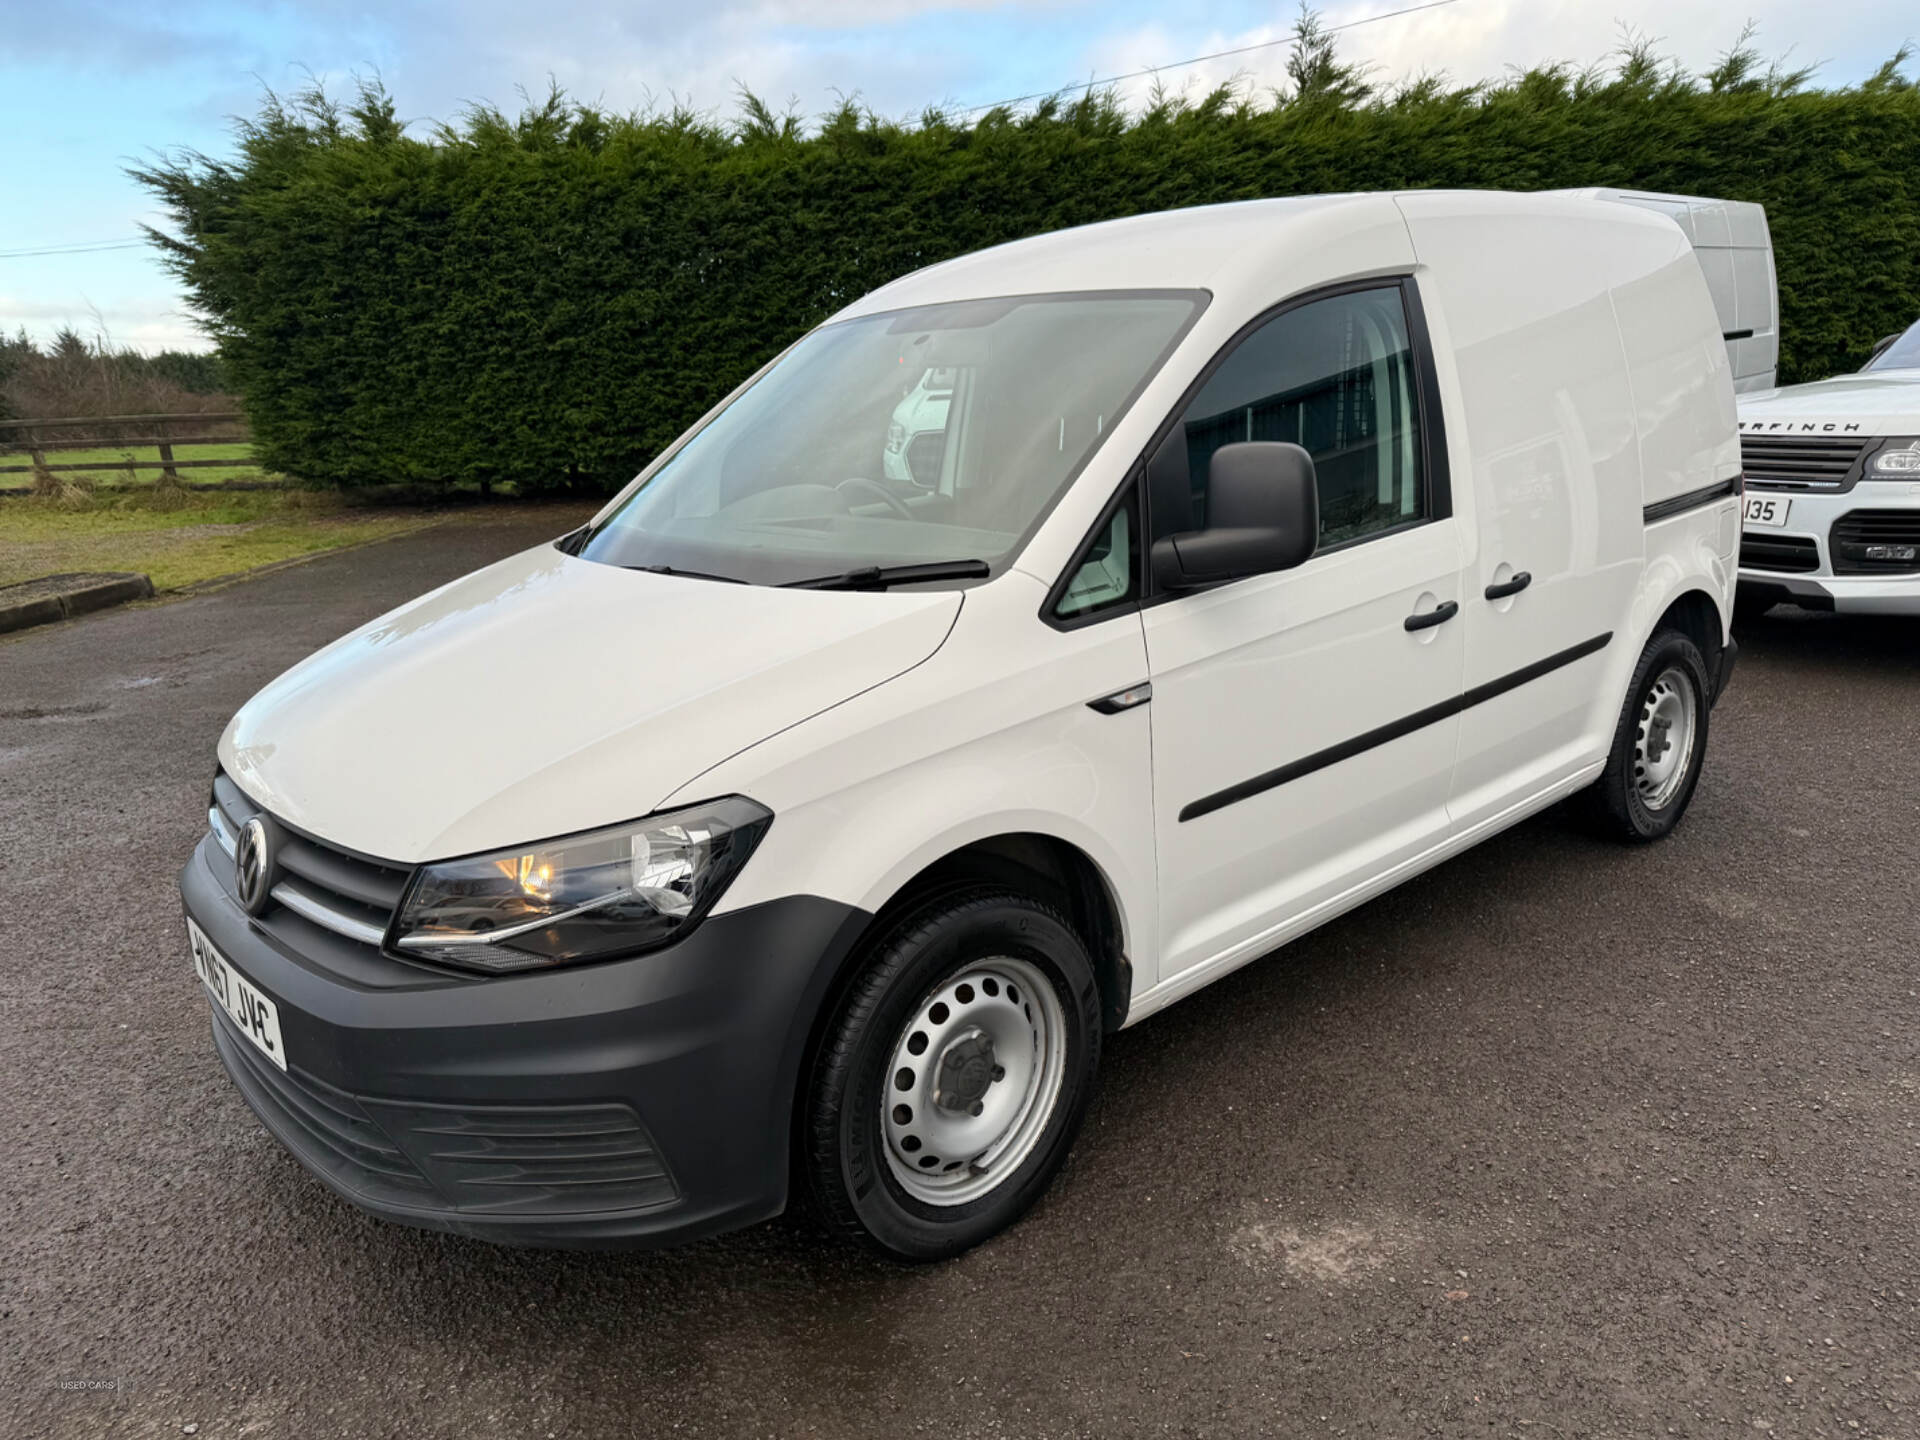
1845,594
634,1102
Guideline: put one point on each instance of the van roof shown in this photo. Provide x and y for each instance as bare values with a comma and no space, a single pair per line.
1218,248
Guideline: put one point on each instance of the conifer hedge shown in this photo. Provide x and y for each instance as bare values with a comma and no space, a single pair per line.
548,299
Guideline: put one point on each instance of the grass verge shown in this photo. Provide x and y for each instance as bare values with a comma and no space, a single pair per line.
178,539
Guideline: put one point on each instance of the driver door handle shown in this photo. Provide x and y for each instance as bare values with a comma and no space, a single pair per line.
1521,579
1439,615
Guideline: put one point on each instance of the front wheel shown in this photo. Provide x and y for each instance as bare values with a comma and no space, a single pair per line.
1658,744
953,1076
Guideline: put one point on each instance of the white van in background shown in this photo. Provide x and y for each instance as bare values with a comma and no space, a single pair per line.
916,447
1731,241
823,824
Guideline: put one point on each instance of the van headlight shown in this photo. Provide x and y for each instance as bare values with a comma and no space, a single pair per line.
1897,457
587,897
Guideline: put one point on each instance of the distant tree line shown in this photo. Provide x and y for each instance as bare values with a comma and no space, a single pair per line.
74,376
549,298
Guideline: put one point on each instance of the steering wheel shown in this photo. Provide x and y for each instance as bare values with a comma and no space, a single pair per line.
874,487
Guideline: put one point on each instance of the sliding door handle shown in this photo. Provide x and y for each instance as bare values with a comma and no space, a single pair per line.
1519,582
1439,615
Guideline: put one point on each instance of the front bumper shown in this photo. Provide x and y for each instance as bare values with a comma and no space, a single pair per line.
1846,594
633,1102
1810,524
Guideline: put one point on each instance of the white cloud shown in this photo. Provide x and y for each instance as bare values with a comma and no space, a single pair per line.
1474,40
149,323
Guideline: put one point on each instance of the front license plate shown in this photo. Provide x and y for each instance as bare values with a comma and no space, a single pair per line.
256,1016
1767,511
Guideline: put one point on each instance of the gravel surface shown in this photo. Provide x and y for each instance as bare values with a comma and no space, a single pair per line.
1559,1139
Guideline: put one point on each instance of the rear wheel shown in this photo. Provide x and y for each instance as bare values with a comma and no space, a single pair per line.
1658,744
953,1076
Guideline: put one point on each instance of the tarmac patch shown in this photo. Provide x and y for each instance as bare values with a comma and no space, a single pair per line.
1334,1252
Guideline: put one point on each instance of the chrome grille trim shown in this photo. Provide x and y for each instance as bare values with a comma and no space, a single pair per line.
223,836
1824,463
308,907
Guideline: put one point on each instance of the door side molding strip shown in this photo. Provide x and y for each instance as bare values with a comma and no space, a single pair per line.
1393,730
1692,500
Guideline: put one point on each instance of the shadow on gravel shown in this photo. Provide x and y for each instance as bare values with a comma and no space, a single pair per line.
1867,644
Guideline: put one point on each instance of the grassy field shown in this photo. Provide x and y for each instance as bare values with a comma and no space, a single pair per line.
240,452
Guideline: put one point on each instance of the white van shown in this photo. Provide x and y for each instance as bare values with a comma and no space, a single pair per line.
1833,489
1735,250
916,448
788,824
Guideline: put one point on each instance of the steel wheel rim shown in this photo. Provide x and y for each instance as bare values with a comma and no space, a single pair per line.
1663,741
972,1080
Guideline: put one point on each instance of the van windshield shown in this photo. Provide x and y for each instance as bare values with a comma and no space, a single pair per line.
1903,354
940,433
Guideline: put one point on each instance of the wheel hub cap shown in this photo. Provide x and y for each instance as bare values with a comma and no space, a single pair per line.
1657,742
965,1071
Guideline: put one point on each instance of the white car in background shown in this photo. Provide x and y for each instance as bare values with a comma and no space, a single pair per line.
1832,516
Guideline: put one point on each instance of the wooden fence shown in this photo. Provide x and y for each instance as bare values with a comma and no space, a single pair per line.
36,439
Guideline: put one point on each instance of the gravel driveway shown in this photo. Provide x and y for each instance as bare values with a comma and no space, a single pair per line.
1559,1139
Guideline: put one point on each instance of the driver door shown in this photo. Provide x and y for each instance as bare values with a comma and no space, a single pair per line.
1303,722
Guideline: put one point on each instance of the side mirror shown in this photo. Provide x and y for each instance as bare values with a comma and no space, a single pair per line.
1880,345
1263,514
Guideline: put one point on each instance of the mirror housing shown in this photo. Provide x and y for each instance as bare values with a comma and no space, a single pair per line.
1263,514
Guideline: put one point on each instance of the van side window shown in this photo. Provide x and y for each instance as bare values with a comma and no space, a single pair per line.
1335,377
1106,574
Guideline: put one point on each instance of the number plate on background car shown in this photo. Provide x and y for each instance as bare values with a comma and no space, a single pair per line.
254,1014
1767,510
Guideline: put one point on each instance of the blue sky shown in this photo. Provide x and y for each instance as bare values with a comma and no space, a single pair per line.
86,85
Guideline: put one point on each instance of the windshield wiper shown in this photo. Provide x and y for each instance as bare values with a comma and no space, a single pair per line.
686,574
879,577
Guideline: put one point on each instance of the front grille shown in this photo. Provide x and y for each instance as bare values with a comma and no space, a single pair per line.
1794,554
1875,542
481,1160
925,455
1799,462
335,889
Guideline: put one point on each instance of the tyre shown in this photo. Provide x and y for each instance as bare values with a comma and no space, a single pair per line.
952,1077
1658,746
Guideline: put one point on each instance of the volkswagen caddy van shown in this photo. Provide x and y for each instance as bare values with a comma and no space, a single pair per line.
790,831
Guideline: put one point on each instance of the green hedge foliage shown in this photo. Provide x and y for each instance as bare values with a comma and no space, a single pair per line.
549,299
